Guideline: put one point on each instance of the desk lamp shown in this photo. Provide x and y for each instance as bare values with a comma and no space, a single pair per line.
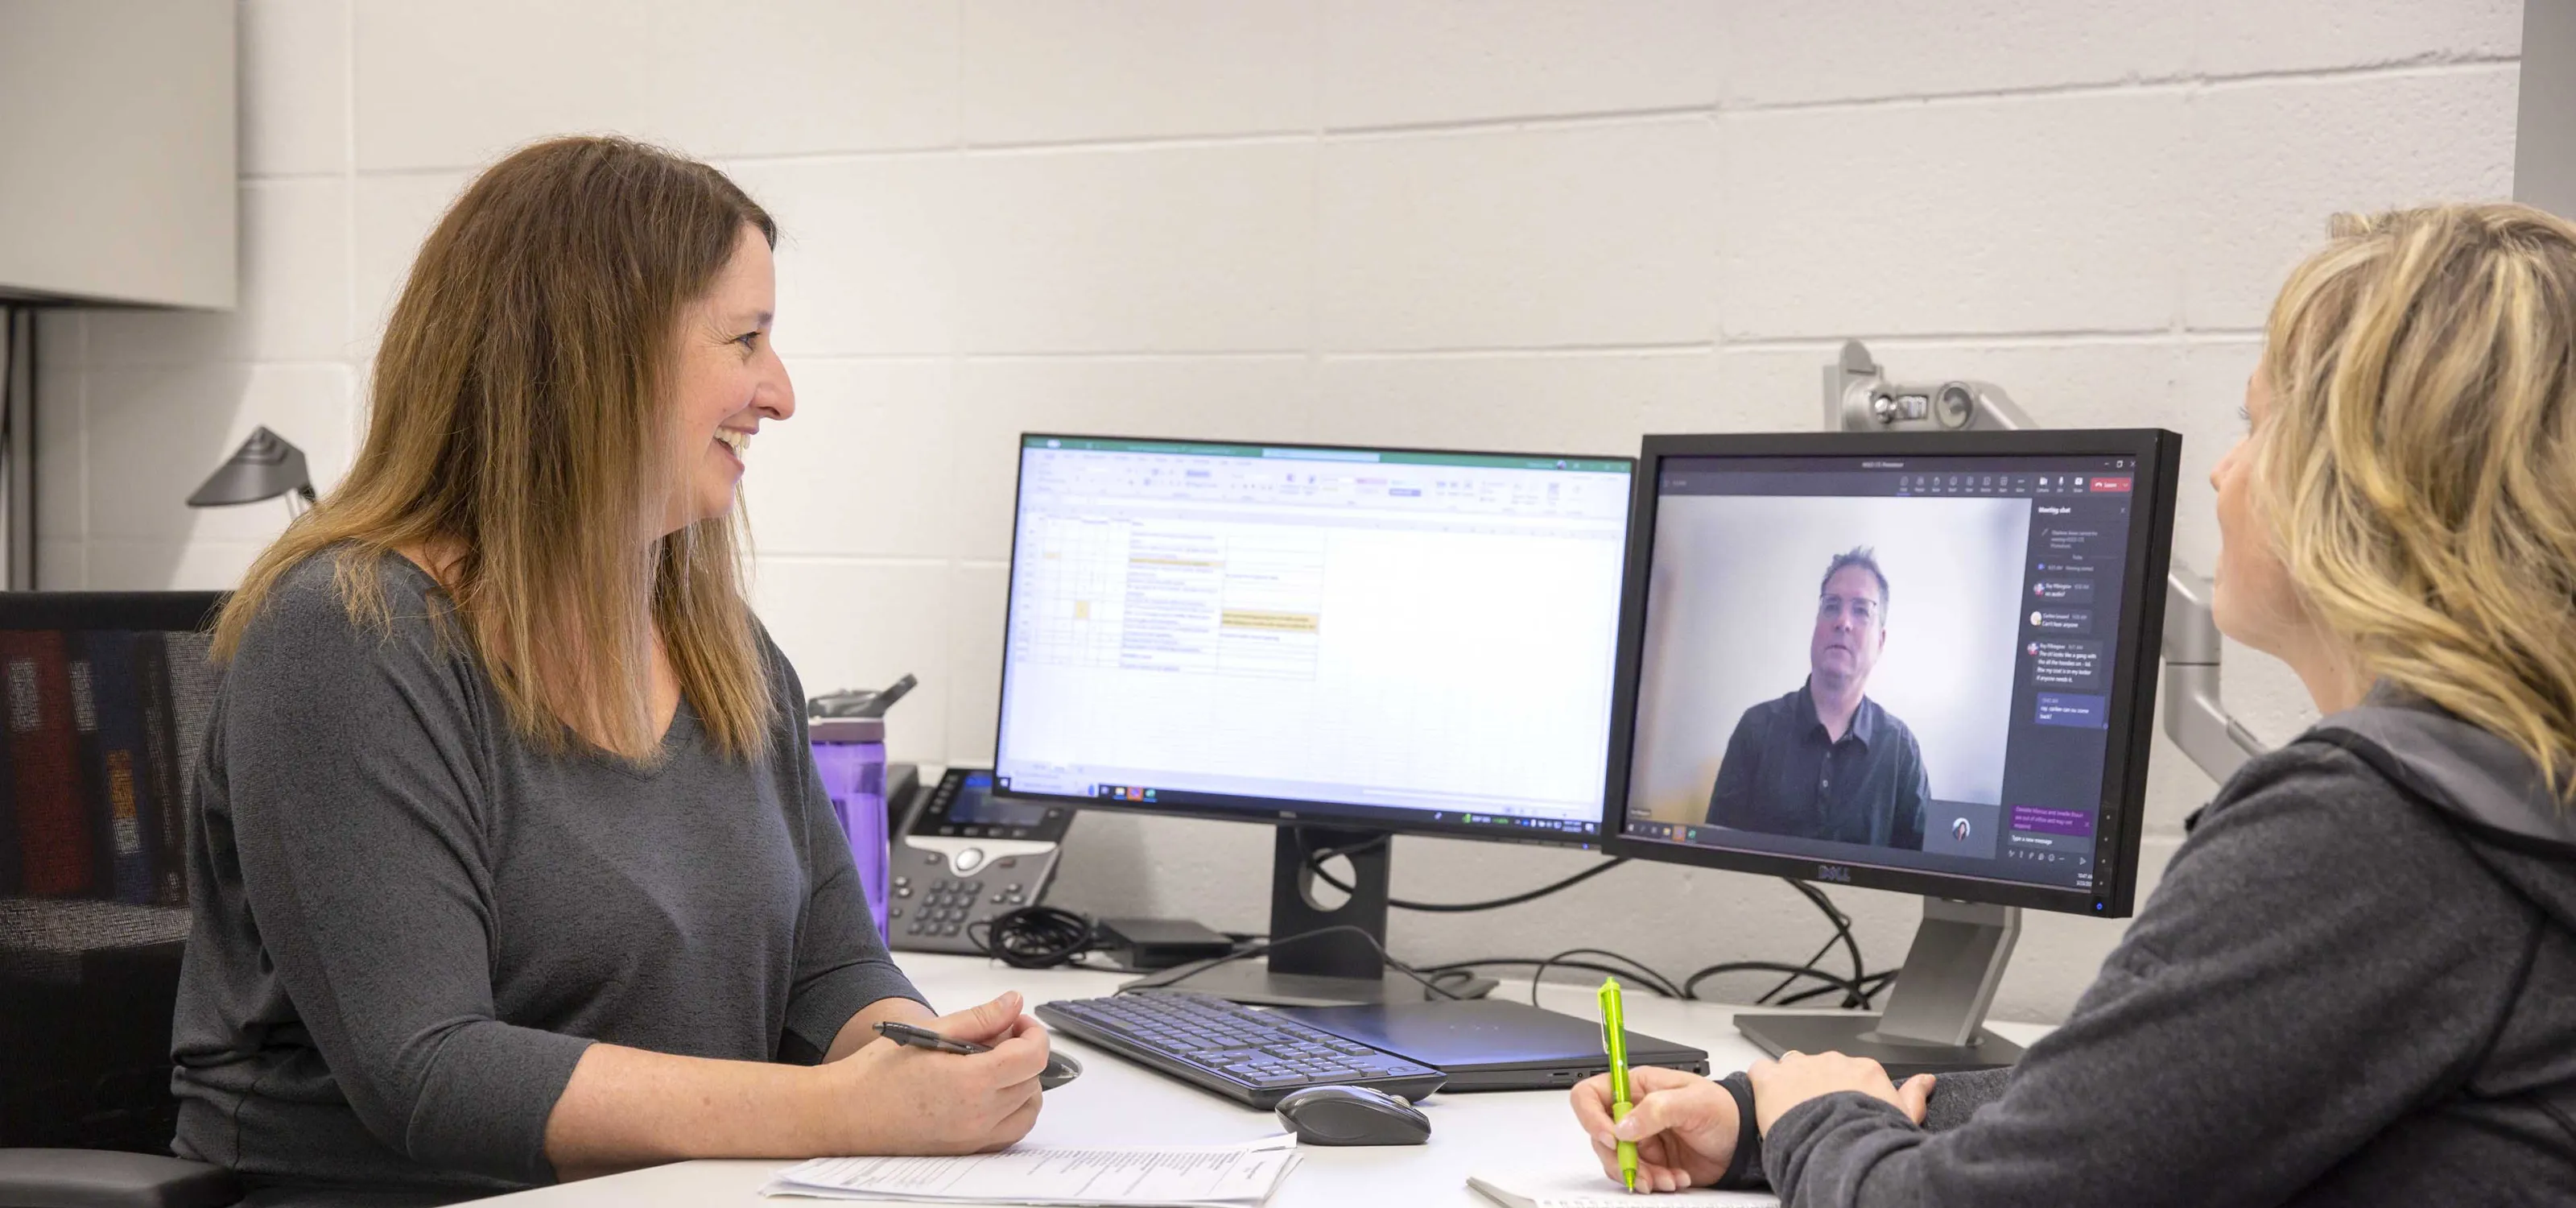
265,467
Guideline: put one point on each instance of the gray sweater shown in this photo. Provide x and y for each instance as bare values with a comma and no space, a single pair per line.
2343,992
409,923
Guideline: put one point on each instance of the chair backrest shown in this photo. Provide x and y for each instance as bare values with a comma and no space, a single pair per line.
104,698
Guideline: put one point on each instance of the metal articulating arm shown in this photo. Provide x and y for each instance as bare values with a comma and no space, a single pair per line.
1859,398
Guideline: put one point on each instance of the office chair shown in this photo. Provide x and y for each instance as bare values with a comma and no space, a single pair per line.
104,698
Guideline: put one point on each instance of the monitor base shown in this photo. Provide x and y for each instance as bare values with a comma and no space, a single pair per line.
1318,955
1935,1009
1858,1036
1253,983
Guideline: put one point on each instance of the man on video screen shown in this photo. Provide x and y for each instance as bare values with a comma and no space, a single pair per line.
1825,761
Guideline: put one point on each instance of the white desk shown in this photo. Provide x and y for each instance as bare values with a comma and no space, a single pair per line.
1116,1102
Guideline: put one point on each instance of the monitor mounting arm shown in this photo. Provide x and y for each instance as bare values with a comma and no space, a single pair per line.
1859,398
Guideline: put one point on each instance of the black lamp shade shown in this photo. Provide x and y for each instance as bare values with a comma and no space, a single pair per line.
265,467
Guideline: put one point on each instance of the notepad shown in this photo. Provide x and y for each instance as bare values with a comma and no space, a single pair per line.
1558,1189
1189,1176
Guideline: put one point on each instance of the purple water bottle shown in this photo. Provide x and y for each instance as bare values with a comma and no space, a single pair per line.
847,730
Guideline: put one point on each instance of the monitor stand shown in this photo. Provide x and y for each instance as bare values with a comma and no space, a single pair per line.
1935,1009
1336,969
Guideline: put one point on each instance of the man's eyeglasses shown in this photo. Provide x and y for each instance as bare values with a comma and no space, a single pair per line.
1861,609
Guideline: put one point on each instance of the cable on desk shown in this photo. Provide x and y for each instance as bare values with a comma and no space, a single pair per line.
1637,971
1850,989
1034,937
1543,966
1855,991
1871,987
1809,963
1842,932
1171,978
1819,954
1631,971
1315,865
1450,973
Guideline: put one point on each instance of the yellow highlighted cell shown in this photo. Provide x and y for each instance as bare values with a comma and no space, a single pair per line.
1289,622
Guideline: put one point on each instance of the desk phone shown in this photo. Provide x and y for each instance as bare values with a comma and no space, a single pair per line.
966,858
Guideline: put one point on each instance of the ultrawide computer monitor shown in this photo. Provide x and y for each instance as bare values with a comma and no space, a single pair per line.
1919,662
1347,642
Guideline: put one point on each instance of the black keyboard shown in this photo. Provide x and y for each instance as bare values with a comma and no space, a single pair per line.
1249,1056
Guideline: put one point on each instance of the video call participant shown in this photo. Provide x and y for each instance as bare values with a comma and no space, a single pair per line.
1825,761
2356,981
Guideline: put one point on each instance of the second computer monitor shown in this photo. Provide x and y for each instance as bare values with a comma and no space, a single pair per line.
1916,662
1382,639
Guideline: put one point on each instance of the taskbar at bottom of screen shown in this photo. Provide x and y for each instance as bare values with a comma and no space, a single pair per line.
2052,870
1482,823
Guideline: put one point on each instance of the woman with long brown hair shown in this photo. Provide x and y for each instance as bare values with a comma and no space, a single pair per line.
510,861
2356,982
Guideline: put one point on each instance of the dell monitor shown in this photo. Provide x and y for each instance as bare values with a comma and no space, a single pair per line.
1920,662
1344,642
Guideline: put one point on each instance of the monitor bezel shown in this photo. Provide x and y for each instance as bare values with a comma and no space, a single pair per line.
2132,692
1274,811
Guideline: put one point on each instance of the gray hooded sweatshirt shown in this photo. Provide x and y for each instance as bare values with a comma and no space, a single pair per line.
2355,985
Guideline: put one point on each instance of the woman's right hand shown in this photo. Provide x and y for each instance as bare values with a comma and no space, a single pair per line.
1684,1127
895,1099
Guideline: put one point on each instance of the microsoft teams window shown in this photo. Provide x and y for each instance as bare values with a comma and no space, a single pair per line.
1896,662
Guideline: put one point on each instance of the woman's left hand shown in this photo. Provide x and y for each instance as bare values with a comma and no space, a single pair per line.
1797,1077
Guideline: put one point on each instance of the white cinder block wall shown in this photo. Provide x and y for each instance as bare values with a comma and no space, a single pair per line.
1519,224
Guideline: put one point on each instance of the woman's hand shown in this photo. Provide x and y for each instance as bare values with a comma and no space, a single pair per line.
896,1099
1797,1077
987,1024
1684,1126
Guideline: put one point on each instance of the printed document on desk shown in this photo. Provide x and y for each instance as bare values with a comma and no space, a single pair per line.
1187,1176
1591,1189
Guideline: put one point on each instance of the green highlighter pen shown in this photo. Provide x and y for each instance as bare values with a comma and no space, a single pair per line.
1614,1041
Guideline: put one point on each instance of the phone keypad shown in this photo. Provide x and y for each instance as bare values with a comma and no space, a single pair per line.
946,905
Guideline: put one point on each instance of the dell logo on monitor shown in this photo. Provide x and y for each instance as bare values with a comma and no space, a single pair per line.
1833,872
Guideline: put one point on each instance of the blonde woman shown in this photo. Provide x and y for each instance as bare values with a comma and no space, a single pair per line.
510,862
2356,983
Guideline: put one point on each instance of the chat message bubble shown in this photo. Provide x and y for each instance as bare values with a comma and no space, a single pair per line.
2073,709
2061,591
2056,621
2051,822
2075,666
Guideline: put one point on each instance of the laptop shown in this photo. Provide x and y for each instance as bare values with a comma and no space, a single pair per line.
1487,1044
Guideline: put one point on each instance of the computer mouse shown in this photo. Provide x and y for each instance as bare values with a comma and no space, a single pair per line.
1352,1115
1061,1068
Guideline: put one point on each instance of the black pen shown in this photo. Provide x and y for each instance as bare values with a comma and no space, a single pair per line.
924,1038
